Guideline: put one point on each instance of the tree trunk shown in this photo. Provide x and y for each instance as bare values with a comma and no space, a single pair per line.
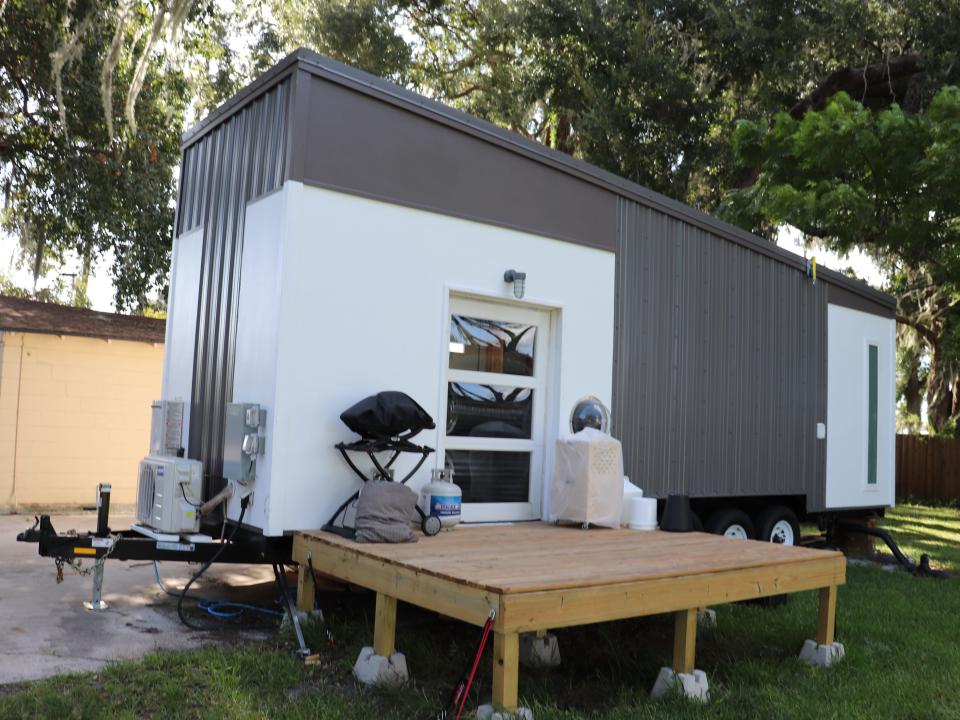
25,240
939,394
913,392
81,283
955,407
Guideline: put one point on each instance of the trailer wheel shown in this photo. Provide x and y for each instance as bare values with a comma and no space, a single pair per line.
778,524
731,522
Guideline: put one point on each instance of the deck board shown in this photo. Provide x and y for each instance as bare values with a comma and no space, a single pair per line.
534,557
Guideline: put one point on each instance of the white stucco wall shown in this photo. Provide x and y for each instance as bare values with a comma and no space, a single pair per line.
849,333
361,306
258,312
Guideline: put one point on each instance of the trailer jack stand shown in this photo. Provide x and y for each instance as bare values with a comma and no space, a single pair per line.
97,603
303,651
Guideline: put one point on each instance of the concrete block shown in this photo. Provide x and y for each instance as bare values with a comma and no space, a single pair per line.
691,685
486,712
371,669
302,616
539,651
706,618
821,655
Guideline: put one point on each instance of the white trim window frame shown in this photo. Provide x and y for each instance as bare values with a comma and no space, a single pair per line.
534,446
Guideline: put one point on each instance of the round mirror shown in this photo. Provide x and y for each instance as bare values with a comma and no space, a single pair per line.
589,412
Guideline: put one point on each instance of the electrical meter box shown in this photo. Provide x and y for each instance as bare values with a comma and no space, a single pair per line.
243,441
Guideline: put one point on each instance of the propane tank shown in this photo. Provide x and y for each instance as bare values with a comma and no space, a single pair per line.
441,497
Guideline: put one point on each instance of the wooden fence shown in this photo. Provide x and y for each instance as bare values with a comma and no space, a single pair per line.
928,468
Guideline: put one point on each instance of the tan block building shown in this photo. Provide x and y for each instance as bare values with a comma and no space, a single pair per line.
75,393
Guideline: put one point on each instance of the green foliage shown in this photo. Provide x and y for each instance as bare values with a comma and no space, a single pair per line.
649,90
887,182
78,177
852,177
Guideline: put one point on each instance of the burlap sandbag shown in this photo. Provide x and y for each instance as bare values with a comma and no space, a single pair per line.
385,511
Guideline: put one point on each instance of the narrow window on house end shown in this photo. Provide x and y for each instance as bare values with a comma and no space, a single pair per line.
872,355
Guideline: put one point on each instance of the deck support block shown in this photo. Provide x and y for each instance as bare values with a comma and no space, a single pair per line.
818,655
486,712
824,651
692,685
506,671
373,669
540,650
706,618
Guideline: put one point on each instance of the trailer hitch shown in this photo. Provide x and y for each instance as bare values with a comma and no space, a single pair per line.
42,529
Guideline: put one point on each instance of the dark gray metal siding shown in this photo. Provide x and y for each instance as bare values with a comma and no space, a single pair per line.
720,364
241,159
356,143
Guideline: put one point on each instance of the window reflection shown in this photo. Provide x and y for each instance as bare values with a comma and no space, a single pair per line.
475,410
491,345
487,476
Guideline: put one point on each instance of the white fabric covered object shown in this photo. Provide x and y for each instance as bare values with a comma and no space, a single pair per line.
588,479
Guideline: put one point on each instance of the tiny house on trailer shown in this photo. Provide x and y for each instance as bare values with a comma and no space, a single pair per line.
337,235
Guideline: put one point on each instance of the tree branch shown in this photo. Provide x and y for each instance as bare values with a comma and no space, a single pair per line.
858,81
927,334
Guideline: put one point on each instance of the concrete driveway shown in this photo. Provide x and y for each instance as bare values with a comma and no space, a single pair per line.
46,630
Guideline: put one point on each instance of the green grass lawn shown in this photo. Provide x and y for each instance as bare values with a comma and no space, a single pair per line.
902,636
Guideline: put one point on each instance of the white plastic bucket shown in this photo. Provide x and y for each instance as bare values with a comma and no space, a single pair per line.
643,513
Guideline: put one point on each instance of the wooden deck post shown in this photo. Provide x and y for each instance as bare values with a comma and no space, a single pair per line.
826,622
385,626
506,671
684,640
306,589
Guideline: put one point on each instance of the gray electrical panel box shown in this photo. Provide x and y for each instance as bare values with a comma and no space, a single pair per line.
243,441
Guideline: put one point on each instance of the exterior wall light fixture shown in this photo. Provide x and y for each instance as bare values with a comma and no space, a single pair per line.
519,280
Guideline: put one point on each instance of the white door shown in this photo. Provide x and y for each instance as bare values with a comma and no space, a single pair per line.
496,381
861,408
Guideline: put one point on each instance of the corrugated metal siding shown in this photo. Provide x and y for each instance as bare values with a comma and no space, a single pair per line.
239,161
720,364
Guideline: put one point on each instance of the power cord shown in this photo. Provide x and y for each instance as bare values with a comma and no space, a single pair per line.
183,492
214,606
203,568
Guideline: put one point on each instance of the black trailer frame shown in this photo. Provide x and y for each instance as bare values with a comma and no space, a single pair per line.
244,547
247,547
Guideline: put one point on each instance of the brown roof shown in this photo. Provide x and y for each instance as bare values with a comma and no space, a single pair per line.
39,317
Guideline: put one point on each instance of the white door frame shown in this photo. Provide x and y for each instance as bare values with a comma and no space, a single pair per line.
541,382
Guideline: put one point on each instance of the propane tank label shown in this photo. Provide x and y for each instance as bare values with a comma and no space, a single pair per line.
444,505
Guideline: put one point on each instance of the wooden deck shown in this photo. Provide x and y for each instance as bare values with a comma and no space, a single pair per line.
537,576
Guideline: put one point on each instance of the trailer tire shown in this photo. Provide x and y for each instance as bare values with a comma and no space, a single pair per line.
731,522
778,524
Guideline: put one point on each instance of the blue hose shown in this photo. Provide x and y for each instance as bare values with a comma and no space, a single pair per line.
216,607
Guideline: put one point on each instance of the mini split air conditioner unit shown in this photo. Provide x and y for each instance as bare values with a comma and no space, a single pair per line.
169,494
